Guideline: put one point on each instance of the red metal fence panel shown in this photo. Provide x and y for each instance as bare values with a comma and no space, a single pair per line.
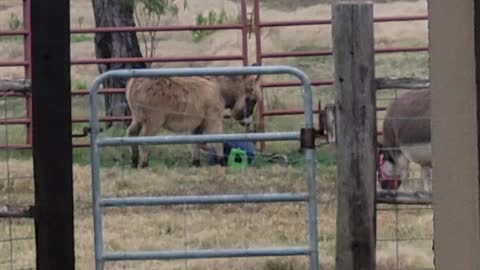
245,26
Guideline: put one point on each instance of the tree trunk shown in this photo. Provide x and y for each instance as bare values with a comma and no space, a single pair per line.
114,13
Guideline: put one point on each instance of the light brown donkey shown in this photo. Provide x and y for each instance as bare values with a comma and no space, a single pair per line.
188,105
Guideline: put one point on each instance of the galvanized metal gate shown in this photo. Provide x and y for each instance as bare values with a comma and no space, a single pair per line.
305,136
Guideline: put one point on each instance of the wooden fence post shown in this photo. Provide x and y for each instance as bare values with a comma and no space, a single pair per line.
52,135
353,50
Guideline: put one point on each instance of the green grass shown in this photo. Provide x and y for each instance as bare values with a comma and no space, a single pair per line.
78,84
74,38
78,38
16,154
13,39
402,65
178,156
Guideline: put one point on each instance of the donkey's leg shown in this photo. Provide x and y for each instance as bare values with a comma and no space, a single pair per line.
148,129
196,155
133,131
403,168
216,127
426,175
196,148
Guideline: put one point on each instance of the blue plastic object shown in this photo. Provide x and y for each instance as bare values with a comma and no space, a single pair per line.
248,147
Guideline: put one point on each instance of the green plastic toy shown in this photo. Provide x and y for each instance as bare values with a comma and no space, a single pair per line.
237,159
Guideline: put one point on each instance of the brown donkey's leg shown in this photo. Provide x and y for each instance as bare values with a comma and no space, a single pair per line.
196,148
216,127
196,155
143,149
133,131
149,128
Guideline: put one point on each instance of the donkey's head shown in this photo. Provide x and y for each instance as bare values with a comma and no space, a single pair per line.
388,172
246,99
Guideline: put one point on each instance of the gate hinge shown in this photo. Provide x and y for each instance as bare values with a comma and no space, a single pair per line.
307,138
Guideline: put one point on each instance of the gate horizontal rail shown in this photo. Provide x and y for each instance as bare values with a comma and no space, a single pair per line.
210,138
205,199
206,254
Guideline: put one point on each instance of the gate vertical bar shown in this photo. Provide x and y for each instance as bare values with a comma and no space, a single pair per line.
258,53
96,186
310,167
245,31
356,139
52,139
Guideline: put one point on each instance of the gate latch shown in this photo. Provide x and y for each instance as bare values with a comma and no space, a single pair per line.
307,138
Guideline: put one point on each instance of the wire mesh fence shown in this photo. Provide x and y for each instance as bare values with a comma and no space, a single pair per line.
16,196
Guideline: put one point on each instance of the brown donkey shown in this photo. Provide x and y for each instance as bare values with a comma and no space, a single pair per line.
192,105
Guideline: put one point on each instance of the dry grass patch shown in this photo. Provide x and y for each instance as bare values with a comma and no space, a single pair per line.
224,226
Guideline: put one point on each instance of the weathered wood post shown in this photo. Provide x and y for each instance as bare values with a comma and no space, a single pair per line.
353,50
